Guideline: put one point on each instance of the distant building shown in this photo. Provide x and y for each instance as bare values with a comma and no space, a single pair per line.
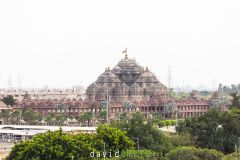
19,94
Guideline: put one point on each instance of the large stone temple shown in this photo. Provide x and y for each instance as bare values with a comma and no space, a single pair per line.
127,81
128,87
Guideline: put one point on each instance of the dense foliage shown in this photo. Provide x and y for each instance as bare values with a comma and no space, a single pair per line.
214,130
61,146
232,156
146,132
9,100
228,89
163,123
192,153
133,136
183,139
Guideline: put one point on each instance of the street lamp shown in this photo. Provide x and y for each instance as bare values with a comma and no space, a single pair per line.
172,108
176,111
107,106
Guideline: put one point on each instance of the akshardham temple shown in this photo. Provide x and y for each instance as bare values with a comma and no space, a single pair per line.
127,81
128,87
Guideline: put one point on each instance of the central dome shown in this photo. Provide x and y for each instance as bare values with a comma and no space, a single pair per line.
127,70
126,65
126,81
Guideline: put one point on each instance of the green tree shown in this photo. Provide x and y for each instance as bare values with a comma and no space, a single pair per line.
230,124
150,137
235,100
103,116
156,118
28,116
5,114
205,130
48,146
59,119
86,117
15,117
114,139
182,139
9,100
38,116
214,130
50,119
124,116
85,144
64,146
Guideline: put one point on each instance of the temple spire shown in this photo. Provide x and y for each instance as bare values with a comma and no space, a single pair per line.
146,68
126,55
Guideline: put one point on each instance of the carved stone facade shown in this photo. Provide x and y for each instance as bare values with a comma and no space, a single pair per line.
127,81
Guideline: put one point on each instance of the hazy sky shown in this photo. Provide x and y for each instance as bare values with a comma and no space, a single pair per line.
64,43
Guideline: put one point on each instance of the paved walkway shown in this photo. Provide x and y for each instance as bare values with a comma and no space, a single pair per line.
170,129
5,148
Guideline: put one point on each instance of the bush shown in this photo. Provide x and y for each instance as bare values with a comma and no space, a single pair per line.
192,153
161,123
173,122
232,156
168,122
183,153
182,139
209,154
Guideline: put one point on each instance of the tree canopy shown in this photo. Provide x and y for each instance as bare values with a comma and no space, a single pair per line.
192,153
9,100
64,146
214,130
146,132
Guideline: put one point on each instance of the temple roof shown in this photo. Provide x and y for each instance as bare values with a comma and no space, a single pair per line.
127,65
108,77
147,77
215,95
127,79
4,106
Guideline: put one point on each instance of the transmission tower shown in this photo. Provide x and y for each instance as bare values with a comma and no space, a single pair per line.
10,82
169,77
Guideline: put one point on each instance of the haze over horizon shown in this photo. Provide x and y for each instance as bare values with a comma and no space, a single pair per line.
65,43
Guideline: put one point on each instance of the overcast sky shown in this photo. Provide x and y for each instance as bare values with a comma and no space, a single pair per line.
65,43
